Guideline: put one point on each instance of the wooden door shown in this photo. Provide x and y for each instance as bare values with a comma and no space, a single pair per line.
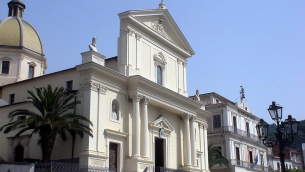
113,155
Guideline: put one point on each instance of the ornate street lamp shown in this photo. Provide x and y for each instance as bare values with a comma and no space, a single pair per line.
285,131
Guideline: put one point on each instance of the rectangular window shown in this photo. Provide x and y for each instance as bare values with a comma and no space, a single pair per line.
237,153
251,156
31,72
262,160
247,127
12,98
278,166
5,67
159,75
216,121
69,86
234,122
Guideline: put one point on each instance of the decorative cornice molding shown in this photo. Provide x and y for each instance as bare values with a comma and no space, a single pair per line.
94,86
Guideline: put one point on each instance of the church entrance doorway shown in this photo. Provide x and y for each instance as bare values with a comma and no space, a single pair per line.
113,156
159,152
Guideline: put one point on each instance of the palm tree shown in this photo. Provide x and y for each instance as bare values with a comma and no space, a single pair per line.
54,117
215,157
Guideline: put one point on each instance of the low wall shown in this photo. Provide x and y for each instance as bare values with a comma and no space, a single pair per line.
17,167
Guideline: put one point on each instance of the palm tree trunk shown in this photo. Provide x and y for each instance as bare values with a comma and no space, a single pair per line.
47,144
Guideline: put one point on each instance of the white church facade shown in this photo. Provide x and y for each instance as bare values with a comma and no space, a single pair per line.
137,101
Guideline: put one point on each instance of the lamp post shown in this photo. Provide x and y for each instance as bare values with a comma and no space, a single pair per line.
285,131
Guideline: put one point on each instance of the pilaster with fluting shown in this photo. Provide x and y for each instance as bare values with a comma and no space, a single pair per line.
144,129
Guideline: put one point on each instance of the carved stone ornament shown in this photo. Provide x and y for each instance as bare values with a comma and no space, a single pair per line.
94,86
158,26
159,59
161,132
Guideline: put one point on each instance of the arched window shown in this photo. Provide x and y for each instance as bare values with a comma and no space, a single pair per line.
159,75
115,110
18,153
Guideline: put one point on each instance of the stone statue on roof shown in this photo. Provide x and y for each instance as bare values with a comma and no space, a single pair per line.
242,93
92,46
197,98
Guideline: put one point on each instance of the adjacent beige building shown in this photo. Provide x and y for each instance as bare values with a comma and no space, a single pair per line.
232,128
137,101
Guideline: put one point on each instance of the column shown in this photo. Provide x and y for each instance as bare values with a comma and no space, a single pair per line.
202,148
206,155
187,141
193,142
144,129
136,126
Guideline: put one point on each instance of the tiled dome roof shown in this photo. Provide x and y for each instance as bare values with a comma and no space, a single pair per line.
17,33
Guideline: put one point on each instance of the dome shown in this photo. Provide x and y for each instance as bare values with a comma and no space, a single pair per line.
17,33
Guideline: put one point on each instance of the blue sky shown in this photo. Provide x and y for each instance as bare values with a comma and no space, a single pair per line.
259,44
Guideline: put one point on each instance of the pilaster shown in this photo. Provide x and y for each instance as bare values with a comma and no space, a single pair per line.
193,142
187,141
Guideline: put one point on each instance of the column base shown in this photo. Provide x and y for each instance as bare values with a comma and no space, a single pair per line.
137,164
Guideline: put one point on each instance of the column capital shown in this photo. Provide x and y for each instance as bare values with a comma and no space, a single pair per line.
193,118
145,100
186,116
136,97
203,125
138,36
129,31
184,64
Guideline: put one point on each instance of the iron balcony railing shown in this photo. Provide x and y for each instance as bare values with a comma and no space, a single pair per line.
250,165
241,132
161,169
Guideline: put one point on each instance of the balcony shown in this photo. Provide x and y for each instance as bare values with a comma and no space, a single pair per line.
237,131
239,163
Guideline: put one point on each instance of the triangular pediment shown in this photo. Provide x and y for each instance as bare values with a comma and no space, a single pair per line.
160,22
162,122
